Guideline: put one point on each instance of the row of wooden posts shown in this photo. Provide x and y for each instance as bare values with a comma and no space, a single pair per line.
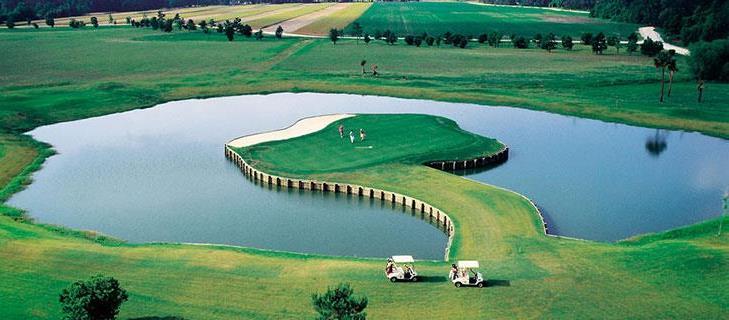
434,214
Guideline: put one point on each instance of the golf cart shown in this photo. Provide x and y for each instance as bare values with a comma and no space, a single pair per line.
400,268
465,274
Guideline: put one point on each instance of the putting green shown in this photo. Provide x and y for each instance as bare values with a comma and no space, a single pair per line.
676,274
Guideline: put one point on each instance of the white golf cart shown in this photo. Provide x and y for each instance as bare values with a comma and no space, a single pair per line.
400,268
465,274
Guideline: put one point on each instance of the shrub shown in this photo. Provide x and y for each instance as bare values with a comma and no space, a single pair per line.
710,60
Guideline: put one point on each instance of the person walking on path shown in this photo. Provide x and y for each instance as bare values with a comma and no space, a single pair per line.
341,131
362,134
700,88
351,136
374,70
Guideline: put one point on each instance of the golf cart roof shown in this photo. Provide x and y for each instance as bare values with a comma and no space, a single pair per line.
468,264
403,259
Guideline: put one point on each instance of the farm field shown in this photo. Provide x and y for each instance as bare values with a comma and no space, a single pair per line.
339,20
283,15
219,13
437,18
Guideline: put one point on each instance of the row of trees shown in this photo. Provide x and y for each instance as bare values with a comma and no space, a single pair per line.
228,27
569,4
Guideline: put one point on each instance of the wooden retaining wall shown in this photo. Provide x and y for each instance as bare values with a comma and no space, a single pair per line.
435,215
480,162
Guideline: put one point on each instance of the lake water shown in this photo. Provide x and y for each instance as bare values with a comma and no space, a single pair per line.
159,174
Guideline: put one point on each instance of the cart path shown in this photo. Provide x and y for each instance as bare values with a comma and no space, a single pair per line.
302,127
650,32
302,21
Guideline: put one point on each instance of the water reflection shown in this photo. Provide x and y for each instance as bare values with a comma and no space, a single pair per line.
657,143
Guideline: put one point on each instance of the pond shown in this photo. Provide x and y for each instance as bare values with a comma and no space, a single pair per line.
159,174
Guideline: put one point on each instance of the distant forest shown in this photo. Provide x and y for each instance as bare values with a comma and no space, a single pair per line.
689,20
568,4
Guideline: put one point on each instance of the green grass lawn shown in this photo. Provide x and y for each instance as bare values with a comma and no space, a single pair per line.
676,274
469,19
41,67
411,139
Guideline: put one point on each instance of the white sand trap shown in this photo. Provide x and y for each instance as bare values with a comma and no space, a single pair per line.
300,128
299,22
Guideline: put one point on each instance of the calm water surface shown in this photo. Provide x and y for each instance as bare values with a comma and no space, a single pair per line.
159,174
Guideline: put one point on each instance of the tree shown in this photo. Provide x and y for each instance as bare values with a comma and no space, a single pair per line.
339,303
537,40
418,41
614,41
662,61
586,38
111,19
710,60
651,48
10,23
229,31
429,40
50,21
98,298
495,39
520,43
367,38
378,34
483,38
334,35
632,43
246,31
567,42
204,26
279,32
672,69
95,22
259,34
409,40
190,25
549,42
129,20
356,31
391,38
362,64
599,43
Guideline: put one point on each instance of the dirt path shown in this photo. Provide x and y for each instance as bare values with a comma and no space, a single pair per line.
299,22
650,32
300,128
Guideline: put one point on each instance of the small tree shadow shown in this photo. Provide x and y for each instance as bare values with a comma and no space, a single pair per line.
159,318
432,279
498,283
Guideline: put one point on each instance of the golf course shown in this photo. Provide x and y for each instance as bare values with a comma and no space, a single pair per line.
83,84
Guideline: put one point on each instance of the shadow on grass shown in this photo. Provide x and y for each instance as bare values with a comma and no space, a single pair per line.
159,318
498,283
432,279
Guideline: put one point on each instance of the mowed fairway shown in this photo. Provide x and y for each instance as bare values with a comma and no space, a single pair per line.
437,18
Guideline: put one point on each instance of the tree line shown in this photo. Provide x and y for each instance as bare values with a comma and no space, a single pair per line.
569,4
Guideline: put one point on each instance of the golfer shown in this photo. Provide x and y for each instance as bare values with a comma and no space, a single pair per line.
362,134
341,131
351,136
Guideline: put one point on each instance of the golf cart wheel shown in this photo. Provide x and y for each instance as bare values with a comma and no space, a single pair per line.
415,279
458,284
480,284
393,279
